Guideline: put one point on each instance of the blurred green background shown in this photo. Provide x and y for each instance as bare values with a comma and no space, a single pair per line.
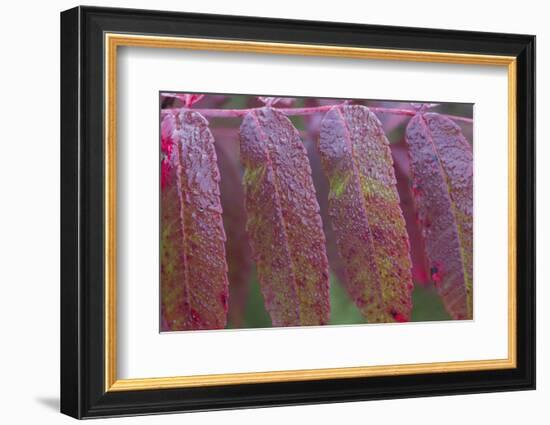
427,306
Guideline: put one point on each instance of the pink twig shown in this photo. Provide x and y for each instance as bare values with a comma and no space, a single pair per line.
394,111
462,119
307,111
233,113
412,112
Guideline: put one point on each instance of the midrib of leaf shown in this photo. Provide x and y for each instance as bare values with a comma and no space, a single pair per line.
285,225
453,206
374,263
179,167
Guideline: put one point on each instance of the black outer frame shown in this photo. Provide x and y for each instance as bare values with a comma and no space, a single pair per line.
82,206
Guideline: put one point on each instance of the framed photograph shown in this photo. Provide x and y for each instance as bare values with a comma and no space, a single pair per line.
261,212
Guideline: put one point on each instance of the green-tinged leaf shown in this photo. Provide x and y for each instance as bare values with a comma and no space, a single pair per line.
320,181
400,153
442,173
312,125
194,288
283,220
365,213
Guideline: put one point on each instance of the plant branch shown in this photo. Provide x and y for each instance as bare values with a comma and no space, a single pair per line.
235,113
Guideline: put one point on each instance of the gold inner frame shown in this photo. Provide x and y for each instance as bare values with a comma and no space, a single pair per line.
113,41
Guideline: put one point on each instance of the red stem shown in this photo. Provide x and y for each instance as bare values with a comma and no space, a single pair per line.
233,113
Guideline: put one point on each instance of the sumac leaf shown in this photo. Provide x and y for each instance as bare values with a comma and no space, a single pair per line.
442,176
312,124
365,213
283,220
238,255
194,288
400,153
336,265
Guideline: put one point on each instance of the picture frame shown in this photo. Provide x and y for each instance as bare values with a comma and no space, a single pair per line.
90,40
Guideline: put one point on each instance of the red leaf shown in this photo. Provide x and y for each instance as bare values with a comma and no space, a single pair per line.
419,260
283,220
194,289
366,217
442,173
239,257
312,124
320,181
